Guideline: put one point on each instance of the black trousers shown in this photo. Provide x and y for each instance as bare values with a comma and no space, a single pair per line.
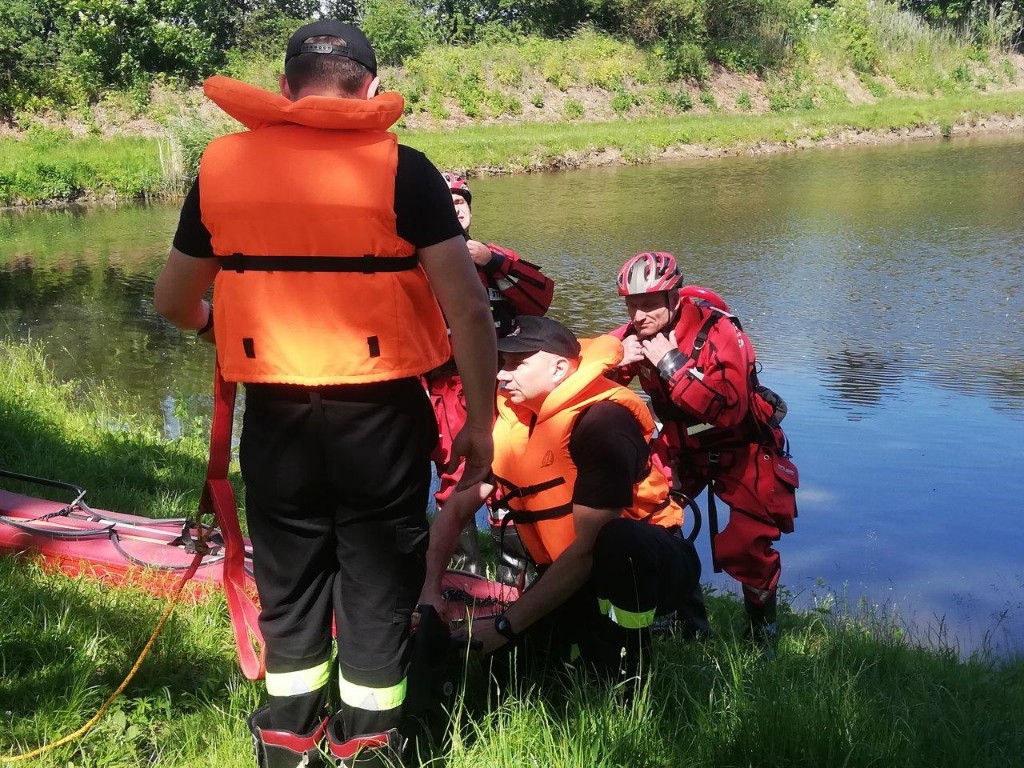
640,571
336,492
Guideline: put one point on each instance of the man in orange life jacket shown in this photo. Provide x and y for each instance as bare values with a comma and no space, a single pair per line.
698,367
330,247
573,465
515,288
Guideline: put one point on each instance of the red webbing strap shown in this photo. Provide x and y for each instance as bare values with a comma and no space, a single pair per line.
219,499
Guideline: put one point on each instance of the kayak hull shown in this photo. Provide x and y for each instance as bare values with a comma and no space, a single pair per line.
116,549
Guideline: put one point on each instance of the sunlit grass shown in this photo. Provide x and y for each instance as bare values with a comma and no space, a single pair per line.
542,146
50,164
76,433
844,687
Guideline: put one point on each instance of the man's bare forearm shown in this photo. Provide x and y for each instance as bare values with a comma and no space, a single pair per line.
567,574
476,356
180,287
463,300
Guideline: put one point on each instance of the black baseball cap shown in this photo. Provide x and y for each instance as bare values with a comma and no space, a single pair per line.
540,334
353,45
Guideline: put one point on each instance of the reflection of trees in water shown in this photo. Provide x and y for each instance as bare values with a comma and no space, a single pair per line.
861,377
96,321
998,377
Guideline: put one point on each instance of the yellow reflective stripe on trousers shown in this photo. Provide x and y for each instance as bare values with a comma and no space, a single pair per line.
624,618
300,681
373,699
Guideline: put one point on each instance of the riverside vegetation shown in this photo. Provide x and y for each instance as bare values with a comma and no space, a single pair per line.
496,86
845,688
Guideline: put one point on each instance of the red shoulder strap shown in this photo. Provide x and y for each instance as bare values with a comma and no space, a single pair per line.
219,499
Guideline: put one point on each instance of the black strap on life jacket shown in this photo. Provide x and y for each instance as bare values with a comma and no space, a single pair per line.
522,491
368,264
521,516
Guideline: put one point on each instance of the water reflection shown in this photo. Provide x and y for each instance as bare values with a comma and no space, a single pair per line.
881,287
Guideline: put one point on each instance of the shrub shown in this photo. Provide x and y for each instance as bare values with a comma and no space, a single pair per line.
682,101
1009,71
396,29
756,35
743,101
573,109
686,61
436,107
623,100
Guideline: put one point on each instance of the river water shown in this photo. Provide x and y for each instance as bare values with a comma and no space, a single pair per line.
883,289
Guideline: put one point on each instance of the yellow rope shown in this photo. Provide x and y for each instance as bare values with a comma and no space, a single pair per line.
120,689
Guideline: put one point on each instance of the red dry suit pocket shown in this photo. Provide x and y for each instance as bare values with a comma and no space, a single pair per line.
778,479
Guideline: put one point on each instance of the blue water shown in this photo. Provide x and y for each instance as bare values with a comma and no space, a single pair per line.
883,289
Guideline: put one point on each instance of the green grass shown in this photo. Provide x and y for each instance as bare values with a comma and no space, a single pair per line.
535,147
845,687
538,146
74,432
51,165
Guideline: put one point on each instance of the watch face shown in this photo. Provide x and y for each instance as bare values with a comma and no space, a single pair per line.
502,625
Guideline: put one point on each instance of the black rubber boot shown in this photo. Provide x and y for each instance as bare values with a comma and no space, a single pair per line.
762,614
369,750
284,749
467,550
692,615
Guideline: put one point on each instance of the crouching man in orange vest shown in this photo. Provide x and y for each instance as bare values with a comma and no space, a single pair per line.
573,467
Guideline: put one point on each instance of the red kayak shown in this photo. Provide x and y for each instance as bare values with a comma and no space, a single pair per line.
117,549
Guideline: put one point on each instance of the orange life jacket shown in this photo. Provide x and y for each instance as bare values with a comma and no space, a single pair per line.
533,467
316,287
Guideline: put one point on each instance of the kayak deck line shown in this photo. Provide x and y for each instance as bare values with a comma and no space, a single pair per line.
116,549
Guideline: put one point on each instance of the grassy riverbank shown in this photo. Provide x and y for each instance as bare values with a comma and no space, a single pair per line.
845,689
544,147
60,168
854,72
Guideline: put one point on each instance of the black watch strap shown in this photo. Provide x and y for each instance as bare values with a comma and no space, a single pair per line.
503,627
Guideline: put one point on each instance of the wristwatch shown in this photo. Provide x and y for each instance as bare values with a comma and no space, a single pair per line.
504,627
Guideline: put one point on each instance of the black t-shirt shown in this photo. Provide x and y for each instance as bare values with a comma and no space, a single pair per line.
607,446
423,208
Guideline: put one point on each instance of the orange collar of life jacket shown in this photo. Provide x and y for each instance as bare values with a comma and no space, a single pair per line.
255,107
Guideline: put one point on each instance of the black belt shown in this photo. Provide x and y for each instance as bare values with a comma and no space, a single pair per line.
373,392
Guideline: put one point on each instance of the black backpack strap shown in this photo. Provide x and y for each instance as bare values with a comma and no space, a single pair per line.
714,457
702,336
